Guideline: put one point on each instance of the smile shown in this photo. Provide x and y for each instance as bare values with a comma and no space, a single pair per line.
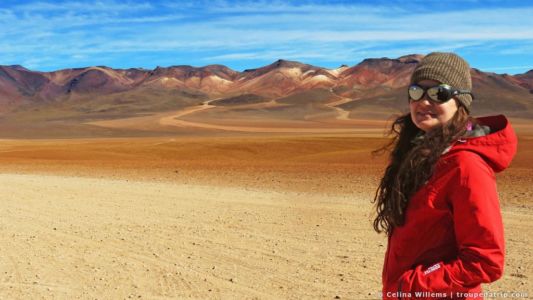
426,114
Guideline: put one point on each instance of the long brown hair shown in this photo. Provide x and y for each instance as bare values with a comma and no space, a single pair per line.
412,160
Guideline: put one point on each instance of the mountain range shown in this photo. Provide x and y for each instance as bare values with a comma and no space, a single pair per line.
371,89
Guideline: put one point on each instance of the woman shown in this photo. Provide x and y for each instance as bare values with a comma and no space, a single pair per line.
437,200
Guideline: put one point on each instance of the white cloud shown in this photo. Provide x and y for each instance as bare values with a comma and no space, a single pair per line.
42,6
224,30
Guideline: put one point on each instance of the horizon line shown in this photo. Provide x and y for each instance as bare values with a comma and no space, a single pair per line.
489,70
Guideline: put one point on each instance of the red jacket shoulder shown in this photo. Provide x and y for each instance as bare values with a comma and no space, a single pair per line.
467,161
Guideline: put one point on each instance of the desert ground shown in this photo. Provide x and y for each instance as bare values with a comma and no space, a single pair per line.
270,214
219,217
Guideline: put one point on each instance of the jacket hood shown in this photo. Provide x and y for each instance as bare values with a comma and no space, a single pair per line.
497,148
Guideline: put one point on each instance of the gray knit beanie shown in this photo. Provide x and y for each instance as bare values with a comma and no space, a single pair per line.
447,68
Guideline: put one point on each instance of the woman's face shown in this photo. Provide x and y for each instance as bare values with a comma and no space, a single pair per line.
427,115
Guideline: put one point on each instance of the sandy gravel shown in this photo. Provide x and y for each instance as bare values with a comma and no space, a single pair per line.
265,217
68,238
71,237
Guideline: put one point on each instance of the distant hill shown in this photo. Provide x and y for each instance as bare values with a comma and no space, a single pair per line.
371,89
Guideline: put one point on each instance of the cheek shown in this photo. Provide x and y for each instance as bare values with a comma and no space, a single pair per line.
412,107
446,112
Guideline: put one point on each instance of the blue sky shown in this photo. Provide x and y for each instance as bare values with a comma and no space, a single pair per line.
48,35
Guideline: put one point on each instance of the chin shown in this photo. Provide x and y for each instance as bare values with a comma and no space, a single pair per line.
425,126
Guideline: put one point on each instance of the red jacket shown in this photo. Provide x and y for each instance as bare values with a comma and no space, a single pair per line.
452,239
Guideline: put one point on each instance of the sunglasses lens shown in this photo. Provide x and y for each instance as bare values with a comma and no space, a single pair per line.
415,92
440,94
434,93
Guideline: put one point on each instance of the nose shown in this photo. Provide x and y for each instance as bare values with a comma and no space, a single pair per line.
424,101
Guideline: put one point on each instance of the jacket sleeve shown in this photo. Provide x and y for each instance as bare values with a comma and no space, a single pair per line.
478,231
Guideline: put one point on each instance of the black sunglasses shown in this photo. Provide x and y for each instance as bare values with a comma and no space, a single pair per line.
439,94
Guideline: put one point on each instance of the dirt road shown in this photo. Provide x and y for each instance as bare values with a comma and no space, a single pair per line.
174,119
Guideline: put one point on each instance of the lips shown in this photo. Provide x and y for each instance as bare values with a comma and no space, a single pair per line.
426,114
